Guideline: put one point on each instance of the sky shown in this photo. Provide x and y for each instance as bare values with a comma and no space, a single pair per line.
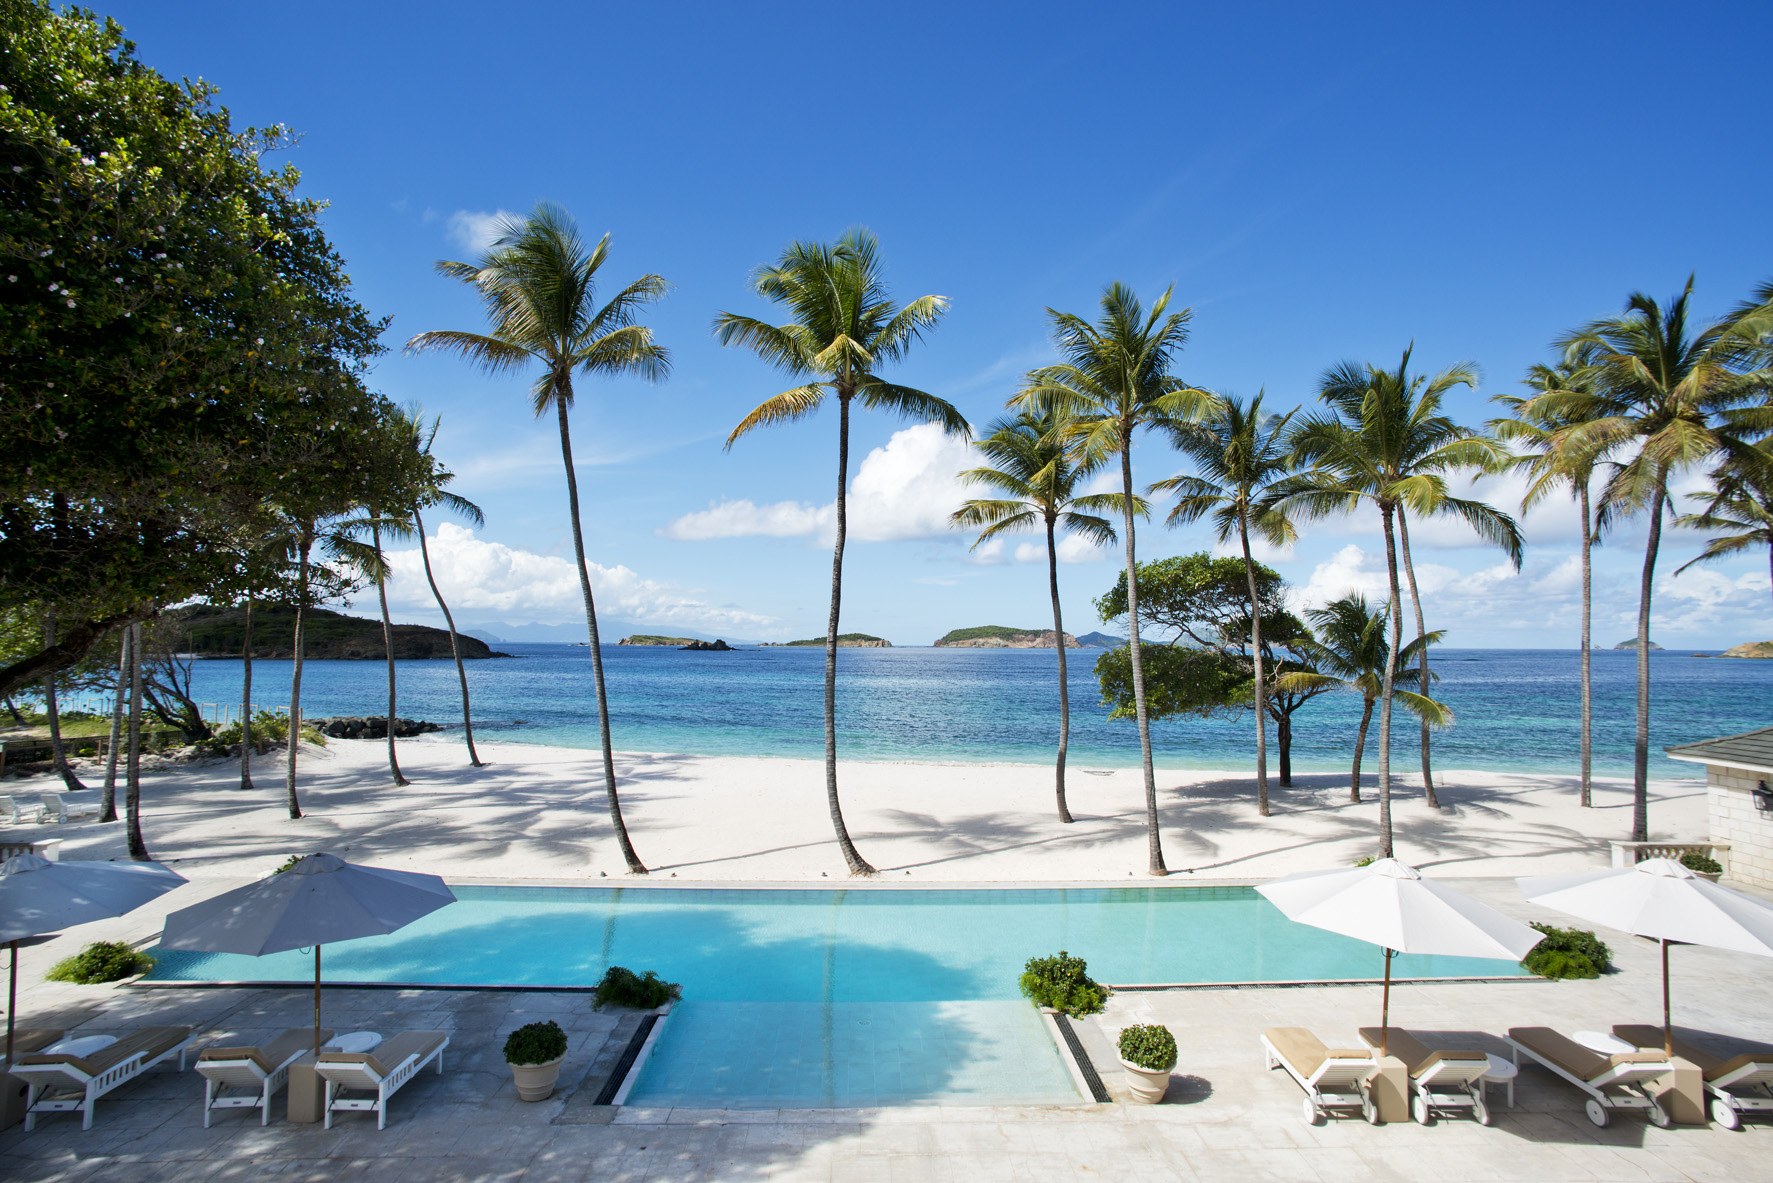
1317,183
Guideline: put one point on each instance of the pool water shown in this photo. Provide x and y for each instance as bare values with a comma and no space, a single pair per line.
840,997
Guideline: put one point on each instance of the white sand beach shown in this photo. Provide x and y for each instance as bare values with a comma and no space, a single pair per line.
539,813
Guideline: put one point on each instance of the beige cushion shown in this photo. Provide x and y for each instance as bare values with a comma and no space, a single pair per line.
1652,1038
273,1055
1306,1052
149,1042
1571,1056
30,1039
390,1053
1417,1056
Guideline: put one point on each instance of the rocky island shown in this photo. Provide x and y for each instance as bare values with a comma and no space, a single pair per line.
844,641
997,636
1761,649
661,642
326,636
1632,644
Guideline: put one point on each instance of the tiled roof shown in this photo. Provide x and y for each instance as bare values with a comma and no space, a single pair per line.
1751,749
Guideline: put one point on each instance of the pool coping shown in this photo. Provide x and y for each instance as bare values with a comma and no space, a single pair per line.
875,883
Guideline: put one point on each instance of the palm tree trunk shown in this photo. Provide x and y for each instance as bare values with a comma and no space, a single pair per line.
375,538
1283,735
1360,744
1640,755
455,644
1587,657
108,797
246,702
1403,533
635,866
295,681
1153,841
1064,690
1385,689
58,751
851,857
1243,533
132,788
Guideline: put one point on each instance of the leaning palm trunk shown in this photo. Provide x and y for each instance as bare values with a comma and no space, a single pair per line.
1403,532
1385,690
851,856
455,644
635,866
1243,531
375,537
246,702
1640,756
132,791
108,798
1153,840
58,750
295,680
1360,744
1064,690
1587,682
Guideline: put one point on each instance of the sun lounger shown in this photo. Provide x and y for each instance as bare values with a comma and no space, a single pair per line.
14,813
26,1040
1439,1078
62,812
382,1071
261,1072
1611,1082
1741,1084
1333,1078
67,1084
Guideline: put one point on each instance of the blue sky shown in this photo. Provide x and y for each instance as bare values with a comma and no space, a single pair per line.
1318,182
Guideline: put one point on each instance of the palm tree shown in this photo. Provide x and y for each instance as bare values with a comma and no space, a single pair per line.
1115,378
1548,465
1350,651
1741,506
539,285
300,532
1238,454
58,751
1676,396
845,328
1387,446
1041,481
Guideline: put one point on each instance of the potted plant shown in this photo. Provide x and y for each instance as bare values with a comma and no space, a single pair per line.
534,1052
1702,865
1147,1052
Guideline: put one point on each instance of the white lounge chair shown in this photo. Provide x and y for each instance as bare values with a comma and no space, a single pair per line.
261,1072
1741,1084
1611,1082
1333,1078
383,1072
61,1083
13,813
62,812
1439,1078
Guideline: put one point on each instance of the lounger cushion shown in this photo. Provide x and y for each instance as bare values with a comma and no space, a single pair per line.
270,1057
1651,1038
390,1053
1571,1056
148,1043
1417,1056
1306,1052
234,1055
30,1039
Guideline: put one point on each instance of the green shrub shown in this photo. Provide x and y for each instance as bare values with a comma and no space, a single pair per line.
1148,1045
102,961
1063,983
1698,860
1366,860
1568,953
535,1043
269,730
624,987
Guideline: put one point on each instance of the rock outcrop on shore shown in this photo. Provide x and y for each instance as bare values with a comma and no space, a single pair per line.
844,641
1761,649
714,646
326,636
369,727
996,636
660,642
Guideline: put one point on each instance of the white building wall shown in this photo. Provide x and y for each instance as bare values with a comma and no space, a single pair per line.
1735,820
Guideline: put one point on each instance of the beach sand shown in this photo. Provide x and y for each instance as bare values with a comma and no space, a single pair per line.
539,813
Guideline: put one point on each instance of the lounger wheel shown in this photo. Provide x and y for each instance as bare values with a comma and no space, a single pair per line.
1420,1111
1369,1110
1313,1115
1659,1117
1597,1113
1481,1110
1724,1114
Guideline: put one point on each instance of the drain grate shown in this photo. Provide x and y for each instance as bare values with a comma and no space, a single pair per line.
1097,1091
613,1085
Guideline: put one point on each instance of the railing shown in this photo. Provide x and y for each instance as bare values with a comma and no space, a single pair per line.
49,848
1629,854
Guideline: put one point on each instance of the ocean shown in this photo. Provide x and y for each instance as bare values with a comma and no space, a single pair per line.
1516,710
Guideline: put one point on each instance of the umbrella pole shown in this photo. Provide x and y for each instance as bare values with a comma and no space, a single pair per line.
1667,1021
11,1002
317,1000
1385,1008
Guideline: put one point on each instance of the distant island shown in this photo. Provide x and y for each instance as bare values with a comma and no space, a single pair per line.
1100,641
844,641
996,636
326,635
1632,644
649,639
1761,649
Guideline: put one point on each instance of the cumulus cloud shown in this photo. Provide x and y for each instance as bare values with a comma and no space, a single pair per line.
1072,548
474,230
490,580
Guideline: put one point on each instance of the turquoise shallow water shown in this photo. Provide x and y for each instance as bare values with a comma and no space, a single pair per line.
1517,710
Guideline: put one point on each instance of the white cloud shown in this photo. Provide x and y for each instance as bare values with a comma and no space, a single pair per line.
1073,548
493,581
746,519
474,230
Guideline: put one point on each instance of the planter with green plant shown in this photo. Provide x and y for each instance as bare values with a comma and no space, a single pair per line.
1063,983
534,1052
1702,864
1147,1053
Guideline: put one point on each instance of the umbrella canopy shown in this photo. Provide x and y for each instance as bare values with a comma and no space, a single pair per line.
39,896
1390,904
321,898
1661,899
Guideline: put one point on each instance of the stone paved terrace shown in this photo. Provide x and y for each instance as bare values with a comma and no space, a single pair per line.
1224,1118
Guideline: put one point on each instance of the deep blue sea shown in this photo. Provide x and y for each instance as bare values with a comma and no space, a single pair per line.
1516,709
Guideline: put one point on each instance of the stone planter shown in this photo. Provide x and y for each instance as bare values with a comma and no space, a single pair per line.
1147,1085
1708,876
535,1082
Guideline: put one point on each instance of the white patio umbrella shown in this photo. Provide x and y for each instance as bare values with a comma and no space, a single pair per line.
38,896
1661,899
1391,905
319,900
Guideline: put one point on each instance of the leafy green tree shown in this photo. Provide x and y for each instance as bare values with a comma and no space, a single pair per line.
1388,445
1116,379
539,286
1033,468
1739,510
845,329
1672,394
1237,454
1350,651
